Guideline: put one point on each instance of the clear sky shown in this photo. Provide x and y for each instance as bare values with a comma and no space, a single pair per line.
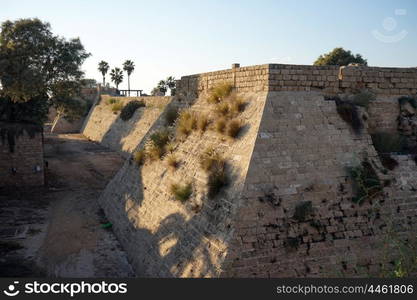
192,36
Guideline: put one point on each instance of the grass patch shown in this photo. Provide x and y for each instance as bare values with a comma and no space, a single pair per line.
181,192
234,127
156,146
366,182
116,107
219,92
172,161
111,101
187,122
209,158
171,115
350,114
129,109
139,157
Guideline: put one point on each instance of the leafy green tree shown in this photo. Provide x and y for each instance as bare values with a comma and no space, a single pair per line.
340,57
116,76
128,66
103,67
35,67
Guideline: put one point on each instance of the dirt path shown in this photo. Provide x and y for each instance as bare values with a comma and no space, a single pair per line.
56,230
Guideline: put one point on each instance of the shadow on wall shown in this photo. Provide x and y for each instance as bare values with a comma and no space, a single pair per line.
181,244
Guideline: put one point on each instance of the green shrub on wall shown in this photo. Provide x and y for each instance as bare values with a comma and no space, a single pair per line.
129,109
366,182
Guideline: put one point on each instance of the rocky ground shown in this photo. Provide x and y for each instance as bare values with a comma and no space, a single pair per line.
56,230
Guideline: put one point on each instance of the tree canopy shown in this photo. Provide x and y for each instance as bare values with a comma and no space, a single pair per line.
36,67
116,76
340,57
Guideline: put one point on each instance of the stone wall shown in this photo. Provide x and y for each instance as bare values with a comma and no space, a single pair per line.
295,151
106,127
23,165
300,156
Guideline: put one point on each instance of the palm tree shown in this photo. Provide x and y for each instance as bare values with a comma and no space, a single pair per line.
103,67
128,66
116,76
162,86
171,84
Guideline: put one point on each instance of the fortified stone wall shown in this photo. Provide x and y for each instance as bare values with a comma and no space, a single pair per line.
106,127
294,152
22,165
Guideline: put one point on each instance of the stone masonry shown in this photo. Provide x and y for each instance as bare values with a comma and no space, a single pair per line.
294,151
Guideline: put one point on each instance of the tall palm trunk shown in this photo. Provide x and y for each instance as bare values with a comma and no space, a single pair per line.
128,83
104,81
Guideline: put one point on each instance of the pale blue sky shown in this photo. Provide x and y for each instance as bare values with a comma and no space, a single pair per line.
185,37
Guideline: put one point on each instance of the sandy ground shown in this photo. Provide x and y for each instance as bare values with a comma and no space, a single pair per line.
56,231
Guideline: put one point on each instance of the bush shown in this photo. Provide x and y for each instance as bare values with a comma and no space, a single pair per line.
220,125
116,107
129,109
181,193
139,157
155,147
303,210
385,142
349,113
233,128
187,122
202,122
172,161
412,101
363,97
366,182
171,115
219,92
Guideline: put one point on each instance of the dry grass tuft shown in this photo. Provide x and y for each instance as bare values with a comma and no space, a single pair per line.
139,157
156,145
187,122
219,92
233,128
202,122
220,125
172,161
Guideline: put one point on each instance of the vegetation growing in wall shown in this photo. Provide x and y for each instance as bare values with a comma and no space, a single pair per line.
181,192
172,161
219,92
156,145
303,210
366,182
116,107
363,98
202,122
387,143
171,115
234,127
410,100
215,167
187,122
350,114
129,109
139,157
